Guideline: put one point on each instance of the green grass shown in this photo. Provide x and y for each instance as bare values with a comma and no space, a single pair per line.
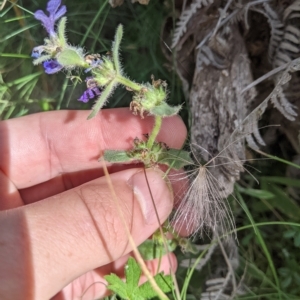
267,216
93,26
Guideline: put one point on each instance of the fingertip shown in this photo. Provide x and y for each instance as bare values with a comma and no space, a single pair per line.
173,132
153,194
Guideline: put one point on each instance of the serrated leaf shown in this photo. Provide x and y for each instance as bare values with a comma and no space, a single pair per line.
132,273
116,285
163,281
116,156
130,289
70,58
165,110
175,158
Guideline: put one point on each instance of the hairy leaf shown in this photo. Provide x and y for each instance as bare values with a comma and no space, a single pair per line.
165,110
108,90
115,48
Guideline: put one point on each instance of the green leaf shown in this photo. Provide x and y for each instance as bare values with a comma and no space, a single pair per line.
61,31
297,240
281,180
286,282
284,203
116,285
164,282
116,156
165,110
71,57
175,158
115,48
289,233
106,73
132,273
130,289
260,194
108,90
151,249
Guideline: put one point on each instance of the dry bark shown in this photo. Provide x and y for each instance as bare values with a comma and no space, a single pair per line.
222,43
217,107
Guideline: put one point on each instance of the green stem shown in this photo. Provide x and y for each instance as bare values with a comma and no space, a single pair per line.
155,131
128,83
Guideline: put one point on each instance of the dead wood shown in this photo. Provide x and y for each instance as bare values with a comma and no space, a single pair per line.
221,46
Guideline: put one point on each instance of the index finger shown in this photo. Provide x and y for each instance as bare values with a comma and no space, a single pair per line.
39,147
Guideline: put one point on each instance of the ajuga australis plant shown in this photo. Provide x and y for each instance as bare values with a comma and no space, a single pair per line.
103,74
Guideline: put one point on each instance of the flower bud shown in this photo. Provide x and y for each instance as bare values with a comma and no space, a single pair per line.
105,72
71,57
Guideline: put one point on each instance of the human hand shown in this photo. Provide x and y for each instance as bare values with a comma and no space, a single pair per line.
60,227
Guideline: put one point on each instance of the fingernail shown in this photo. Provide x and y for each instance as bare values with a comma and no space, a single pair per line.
159,194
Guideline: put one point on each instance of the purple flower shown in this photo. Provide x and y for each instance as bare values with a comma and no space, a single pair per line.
92,90
52,66
54,14
89,94
93,60
37,51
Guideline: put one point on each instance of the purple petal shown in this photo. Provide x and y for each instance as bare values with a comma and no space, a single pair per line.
60,13
97,62
53,6
35,54
96,91
90,93
52,66
84,98
40,15
54,14
37,51
92,90
48,22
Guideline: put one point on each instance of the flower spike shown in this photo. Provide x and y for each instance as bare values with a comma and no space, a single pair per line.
54,14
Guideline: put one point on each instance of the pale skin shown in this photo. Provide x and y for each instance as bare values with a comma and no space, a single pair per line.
60,228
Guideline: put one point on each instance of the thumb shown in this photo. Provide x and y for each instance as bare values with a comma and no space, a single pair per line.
81,229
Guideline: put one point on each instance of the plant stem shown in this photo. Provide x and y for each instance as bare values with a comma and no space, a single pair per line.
155,131
132,85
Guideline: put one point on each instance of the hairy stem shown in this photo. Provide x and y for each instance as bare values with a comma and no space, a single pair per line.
128,83
155,131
